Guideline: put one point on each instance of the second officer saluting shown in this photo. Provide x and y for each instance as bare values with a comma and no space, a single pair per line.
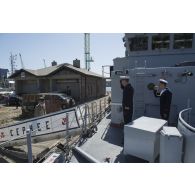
165,95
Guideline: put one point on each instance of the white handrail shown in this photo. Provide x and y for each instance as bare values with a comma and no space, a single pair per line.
35,130
48,115
183,121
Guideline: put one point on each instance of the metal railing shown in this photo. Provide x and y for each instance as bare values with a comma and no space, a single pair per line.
185,119
90,114
33,132
29,134
188,132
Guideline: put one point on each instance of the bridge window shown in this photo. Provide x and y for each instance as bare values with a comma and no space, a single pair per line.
183,40
138,43
160,41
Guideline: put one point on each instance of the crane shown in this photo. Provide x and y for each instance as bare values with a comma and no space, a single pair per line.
21,61
88,58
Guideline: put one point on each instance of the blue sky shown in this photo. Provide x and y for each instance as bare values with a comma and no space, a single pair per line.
60,47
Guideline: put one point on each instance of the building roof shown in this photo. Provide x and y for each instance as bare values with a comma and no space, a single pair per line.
53,69
4,69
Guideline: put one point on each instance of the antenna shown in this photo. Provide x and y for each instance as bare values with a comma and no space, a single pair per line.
88,58
12,62
44,63
21,61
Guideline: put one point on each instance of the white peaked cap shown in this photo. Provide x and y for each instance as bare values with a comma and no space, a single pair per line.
163,81
124,77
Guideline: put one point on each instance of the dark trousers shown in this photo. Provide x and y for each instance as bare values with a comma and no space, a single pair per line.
17,104
165,116
127,115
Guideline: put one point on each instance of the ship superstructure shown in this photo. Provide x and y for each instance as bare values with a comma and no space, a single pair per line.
148,58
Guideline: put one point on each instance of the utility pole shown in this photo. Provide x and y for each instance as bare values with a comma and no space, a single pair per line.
21,61
13,62
44,63
88,58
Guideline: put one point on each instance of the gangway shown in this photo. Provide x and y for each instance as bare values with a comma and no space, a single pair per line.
80,120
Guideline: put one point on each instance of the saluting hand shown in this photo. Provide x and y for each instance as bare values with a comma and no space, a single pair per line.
156,87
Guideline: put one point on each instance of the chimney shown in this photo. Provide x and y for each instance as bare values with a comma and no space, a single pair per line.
76,63
54,63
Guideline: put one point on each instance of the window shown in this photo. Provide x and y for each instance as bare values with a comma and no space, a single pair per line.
138,43
160,41
183,40
22,75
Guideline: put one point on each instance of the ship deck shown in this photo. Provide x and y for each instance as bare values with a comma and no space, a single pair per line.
105,146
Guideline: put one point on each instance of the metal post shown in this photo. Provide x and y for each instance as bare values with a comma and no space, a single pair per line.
189,111
67,128
100,109
96,110
104,105
29,146
67,121
92,110
85,119
89,116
